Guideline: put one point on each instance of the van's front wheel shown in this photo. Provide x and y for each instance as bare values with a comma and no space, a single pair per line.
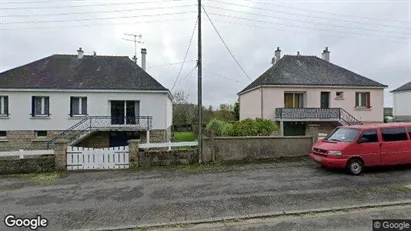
355,166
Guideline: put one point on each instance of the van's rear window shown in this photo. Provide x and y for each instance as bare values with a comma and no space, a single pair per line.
343,134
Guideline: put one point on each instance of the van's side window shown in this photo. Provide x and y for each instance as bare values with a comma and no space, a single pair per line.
370,136
393,134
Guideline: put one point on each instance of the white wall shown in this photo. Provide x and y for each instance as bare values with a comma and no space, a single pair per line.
250,105
402,103
169,112
151,104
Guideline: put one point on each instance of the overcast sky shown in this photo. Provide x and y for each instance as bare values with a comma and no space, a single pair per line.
371,38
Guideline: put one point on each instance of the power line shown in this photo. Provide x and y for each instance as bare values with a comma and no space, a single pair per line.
222,76
93,12
101,18
270,3
304,15
185,56
188,75
296,20
170,64
298,31
87,5
305,27
228,49
95,25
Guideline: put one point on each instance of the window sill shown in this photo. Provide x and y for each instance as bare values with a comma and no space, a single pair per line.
339,98
77,117
4,140
40,118
4,117
45,139
362,109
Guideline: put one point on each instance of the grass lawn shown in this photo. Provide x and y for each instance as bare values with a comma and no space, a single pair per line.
185,136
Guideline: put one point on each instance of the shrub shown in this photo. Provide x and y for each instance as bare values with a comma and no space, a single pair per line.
228,130
216,126
247,127
265,127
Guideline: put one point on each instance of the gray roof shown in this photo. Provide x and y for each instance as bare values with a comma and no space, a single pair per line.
405,87
89,72
310,70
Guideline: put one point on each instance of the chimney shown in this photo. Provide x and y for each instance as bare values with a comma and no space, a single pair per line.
143,58
277,55
94,53
135,59
80,53
298,53
326,55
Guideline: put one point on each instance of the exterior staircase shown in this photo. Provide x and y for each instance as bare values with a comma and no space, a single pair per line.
338,115
87,126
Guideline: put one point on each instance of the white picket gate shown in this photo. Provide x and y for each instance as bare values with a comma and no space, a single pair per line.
79,158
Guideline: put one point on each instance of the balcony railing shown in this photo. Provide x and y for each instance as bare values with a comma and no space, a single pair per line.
307,113
335,114
101,123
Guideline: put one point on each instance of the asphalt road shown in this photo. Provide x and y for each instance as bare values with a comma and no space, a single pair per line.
125,198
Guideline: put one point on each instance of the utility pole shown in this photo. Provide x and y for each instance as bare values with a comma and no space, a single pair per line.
200,91
135,36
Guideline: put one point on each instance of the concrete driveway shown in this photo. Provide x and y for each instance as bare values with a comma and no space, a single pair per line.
126,198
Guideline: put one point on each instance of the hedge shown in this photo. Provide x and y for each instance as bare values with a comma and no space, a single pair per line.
247,127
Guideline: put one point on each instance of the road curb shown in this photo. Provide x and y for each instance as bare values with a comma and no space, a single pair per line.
258,215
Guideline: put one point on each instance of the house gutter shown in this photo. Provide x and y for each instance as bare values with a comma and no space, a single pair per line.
311,86
88,91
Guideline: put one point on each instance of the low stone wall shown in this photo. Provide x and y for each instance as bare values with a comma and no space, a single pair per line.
27,165
228,149
165,158
26,140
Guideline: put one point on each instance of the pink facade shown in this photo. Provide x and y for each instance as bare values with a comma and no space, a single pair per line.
273,97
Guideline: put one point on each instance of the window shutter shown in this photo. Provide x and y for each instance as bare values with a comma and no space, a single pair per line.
47,106
356,99
368,100
6,105
71,106
84,105
32,105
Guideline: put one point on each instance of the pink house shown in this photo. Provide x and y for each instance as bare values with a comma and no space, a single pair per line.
299,90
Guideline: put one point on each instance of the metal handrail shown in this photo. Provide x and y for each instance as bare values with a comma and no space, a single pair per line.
97,122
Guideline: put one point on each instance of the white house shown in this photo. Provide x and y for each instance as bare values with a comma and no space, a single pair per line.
91,100
402,103
298,90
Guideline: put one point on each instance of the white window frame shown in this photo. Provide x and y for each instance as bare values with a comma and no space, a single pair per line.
80,107
360,97
42,106
2,106
294,96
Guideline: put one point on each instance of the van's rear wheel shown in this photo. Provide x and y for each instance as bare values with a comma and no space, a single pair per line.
355,166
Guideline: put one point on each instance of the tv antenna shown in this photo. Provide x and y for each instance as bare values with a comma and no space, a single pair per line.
137,38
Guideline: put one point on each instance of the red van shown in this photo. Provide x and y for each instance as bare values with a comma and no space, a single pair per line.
358,146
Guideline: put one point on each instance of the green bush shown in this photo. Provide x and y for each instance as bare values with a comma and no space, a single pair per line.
265,127
228,130
247,127
216,126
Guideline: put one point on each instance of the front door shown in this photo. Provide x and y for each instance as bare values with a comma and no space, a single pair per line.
117,112
325,99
